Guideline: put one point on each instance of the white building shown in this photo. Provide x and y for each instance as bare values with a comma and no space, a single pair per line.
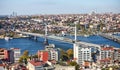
59,67
35,65
39,65
83,51
49,47
117,54
107,55
15,54
54,54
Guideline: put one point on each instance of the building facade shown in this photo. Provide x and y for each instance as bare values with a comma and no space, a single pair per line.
107,55
117,55
59,67
83,52
54,54
43,55
3,53
35,65
14,55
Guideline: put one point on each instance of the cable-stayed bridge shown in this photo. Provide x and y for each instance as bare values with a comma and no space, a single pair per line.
53,37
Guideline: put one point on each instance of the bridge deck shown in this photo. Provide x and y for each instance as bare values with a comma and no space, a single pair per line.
111,37
68,40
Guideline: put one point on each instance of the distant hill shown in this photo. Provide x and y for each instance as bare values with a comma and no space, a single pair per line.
3,17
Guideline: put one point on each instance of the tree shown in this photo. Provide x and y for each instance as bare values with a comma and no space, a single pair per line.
25,53
73,63
24,57
63,55
78,26
70,53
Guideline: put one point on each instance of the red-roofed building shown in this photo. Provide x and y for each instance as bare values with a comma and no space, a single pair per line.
107,48
43,55
107,55
3,53
36,65
105,61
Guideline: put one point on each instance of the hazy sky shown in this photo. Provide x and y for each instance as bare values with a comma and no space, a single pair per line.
28,7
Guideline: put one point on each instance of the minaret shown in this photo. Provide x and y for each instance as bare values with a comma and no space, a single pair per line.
46,40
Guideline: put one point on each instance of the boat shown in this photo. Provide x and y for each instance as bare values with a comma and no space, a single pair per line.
7,38
86,35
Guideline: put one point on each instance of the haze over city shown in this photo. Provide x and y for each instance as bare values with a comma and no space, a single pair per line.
31,7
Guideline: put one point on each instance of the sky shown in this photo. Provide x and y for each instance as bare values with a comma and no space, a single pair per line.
32,7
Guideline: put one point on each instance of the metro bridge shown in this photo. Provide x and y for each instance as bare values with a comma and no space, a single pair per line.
57,38
53,37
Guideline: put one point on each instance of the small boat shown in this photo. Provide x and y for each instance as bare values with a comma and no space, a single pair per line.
7,38
86,35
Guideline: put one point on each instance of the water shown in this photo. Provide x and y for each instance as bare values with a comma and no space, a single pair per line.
117,34
96,39
33,46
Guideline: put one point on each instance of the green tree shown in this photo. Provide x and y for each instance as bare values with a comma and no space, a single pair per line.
70,53
24,57
78,26
73,63
26,53
63,55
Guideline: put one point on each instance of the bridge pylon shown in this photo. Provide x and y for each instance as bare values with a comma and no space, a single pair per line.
46,40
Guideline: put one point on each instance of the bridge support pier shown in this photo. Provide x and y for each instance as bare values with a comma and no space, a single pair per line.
46,41
35,38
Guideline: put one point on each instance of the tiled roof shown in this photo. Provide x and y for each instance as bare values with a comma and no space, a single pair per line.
105,60
36,63
108,48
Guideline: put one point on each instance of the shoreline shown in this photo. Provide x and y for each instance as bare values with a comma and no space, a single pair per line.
13,37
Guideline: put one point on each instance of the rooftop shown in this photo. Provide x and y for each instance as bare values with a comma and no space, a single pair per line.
37,63
108,48
88,44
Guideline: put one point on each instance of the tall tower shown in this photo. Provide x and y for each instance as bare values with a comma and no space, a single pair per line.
46,40
75,48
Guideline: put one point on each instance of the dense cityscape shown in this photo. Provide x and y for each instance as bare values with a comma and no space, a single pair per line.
59,35
82,55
